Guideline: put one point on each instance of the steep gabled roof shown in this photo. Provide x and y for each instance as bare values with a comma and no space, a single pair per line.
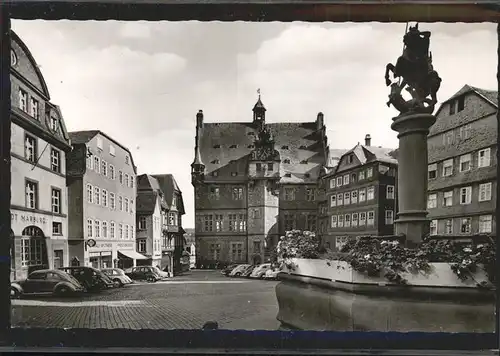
225,148
147,184
85,136
146,202
489,95
168,185
368,154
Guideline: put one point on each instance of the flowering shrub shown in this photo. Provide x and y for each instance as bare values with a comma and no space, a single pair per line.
298,244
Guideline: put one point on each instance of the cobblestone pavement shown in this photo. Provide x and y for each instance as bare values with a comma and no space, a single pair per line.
184,302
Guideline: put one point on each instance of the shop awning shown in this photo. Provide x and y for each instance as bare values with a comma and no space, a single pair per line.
132,254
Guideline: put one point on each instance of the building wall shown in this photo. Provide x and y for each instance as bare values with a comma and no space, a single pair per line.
299,206
462,133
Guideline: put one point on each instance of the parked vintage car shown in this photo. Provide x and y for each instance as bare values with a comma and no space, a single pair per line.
238,270
228,269
271,274
248,271
46,281
143,273
260,270
162,274
89,277
117,275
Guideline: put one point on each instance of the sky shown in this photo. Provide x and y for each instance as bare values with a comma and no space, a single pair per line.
143,82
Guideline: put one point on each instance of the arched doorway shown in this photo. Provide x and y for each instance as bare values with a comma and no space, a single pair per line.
257,260
33,249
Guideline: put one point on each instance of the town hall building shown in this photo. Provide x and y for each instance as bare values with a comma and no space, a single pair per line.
253,181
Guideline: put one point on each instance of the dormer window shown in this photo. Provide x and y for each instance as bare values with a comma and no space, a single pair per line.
307,175
215,161
251,146
53,124
350,159
284,147
287,161
303,147
233,146
127,160
288,175
216,146
215,174
303,162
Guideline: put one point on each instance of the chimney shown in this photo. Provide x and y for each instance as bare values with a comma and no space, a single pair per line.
320,121
199,119
368,140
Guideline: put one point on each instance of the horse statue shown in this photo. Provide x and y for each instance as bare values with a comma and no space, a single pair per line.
417,74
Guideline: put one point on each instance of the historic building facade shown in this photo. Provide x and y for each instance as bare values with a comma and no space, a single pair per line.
360,195
40,142
462,164
253,181
152,212
101,181
173,233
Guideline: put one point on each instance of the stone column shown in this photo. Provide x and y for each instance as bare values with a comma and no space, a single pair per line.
412,175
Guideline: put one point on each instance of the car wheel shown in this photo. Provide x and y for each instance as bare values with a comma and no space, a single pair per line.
237,274
118,283
14,293
62,291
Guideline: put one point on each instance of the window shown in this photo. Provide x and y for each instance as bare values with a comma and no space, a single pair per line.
289,194
127,160
432,171
485,191
112,201
126,228
142,223
433,227
333,200
56,228
131,182
354,197
311,222
97,164
289,222
97,195
332,183
105,229
90,161
126,205
369,172
104,198
370,193
35,109
120,177
97,228
120,203
232,222
355,218
448,138
55,160
461,103
361,175
171,219
270,167
236,251
23,100
353,177
362,195
339,181
340,199
237,193
89,193
31,195
309,194
120,231
258,167
347,220
340,220
214,193
346,179
465,227
112,150
141,245
99,143
56,201
371,218
465,163
54,124
448,168
448,198
89,227
104,169
219,223
112,172
286,160
242,225
389,192
465,195
485,223
30,148
465,131
256,247
389,217
484,158
347,198
362,219
334,221
126,180
131,207
448,226
432,201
